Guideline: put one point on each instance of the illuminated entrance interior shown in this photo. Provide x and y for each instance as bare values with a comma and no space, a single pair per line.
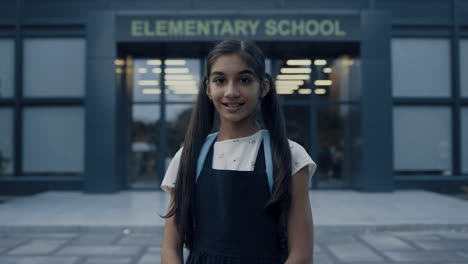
319,86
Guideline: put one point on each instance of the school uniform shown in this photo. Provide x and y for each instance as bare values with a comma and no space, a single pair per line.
231,225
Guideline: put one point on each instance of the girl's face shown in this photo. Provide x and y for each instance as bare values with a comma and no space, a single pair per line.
234,89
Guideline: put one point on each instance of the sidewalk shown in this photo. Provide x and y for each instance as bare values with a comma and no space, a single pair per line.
350,227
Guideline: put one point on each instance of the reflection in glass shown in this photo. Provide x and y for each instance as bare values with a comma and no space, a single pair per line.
53,140
6,141
7,68
345,76
145,143
464,67
329,78
338,145
182,77
177,119
298,124
146,80
292,77
421,67
54,67
421,144
464,125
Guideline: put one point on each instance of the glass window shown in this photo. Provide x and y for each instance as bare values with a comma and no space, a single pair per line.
182,78
464,67
7,68
145,143
146,80
54,67
297,119
421,67
338,145
53,139
6,141
464,151
177,120
292,78
421,144
344,74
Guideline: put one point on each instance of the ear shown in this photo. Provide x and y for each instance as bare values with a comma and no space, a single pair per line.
208,91
266,88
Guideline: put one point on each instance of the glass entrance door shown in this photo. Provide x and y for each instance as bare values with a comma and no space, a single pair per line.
321,104
163,93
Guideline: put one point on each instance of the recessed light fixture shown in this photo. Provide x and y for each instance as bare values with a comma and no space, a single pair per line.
296,70
152,91
293,77
148,83
323,82
298,62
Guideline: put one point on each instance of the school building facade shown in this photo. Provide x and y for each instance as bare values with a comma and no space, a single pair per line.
96,95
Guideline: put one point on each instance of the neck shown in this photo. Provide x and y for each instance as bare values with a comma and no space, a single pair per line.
236,130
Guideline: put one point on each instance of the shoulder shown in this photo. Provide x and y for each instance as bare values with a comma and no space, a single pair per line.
171,172
300,158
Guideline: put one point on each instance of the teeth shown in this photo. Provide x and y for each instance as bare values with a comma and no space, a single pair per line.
233,104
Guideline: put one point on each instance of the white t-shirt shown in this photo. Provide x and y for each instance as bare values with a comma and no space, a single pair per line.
240,154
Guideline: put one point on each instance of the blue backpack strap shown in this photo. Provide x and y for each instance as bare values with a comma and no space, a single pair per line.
268,159
204,152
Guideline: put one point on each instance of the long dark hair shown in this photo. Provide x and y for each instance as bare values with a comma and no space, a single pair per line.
201,124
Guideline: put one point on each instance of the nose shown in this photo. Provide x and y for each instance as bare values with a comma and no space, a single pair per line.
232,90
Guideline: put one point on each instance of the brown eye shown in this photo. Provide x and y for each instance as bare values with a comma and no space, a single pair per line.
219,81
244,80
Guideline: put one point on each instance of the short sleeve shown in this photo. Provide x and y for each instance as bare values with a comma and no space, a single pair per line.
300,158
171,173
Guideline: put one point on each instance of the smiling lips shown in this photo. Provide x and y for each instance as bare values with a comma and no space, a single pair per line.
232,107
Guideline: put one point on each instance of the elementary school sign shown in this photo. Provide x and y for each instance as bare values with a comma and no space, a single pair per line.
281,27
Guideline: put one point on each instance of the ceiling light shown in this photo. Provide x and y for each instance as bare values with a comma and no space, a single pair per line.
320,91
296,70
119,62
285,82
320,62
293,77
327,70
151,91
298,62
285,91
181,82
176,70
153,62
179,77
148,82
156,70
142,70
323,82
174,62
305,91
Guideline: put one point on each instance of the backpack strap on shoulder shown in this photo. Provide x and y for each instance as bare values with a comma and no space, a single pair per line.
268,158
204,152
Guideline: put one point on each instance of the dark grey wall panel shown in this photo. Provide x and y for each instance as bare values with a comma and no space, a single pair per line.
58,12
462,11
376,103
7,12
327,4
418,11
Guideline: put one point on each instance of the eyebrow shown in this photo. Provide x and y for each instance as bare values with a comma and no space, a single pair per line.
241,72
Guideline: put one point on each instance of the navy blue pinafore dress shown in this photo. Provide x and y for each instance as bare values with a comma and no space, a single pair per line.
231,225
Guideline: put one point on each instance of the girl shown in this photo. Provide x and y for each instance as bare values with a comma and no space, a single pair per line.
248,200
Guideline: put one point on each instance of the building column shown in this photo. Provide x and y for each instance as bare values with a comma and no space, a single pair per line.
376,103
101,150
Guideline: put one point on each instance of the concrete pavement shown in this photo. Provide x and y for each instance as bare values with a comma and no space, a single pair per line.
350,227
